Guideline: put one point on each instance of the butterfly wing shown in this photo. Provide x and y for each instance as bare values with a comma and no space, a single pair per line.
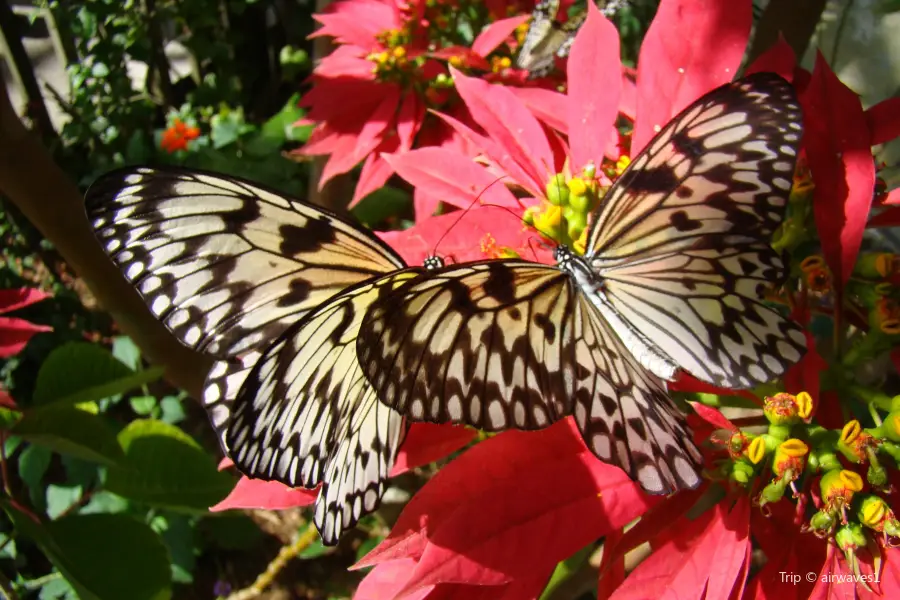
682,238
546,39
225,264
306,414
513,344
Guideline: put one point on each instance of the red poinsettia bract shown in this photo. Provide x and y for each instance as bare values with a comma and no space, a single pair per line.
370,95
15,333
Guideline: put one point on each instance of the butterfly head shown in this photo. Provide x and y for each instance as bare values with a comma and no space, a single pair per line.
562,255
433,262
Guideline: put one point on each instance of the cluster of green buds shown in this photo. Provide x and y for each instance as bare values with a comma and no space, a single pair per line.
850,507
564,213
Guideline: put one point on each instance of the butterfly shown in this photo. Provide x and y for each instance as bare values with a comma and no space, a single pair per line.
275,290
677,259
547,39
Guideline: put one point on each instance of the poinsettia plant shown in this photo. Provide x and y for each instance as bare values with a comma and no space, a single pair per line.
805,482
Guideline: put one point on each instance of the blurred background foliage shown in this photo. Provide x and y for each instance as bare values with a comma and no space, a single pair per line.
109,454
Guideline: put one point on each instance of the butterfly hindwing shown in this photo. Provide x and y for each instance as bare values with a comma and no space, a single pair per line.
306,415
225,264
682,238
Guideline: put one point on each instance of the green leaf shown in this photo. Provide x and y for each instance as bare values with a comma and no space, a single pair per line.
82,372
81,472
8,417
104,502
165,467
7,547
98,555
60,498
379,205
178,536
172,410
56,589
143,405
281,126
127,352
69,430
33,463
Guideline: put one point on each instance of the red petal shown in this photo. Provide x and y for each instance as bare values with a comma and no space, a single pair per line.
225,463
692,46
336,65
730,553
495,34
424,204
837,146
892,198
15,299
409,120
706,553
427,442
385,580
356,22
465,236
523,148
657,519
549,106
481,542
505,456
270,495
778,59
452,177
884,121
712,416
15,333
357,145
375,170
595,82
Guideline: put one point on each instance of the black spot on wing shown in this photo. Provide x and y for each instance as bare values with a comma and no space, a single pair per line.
298,292
682,222
648,181
313,235
684,144
500,284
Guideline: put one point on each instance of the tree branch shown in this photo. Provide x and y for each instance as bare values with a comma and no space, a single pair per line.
52,202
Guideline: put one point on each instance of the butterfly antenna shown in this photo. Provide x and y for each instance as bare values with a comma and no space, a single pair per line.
464,212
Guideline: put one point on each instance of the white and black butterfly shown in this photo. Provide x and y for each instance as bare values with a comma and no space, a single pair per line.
678,256
548,39
275,289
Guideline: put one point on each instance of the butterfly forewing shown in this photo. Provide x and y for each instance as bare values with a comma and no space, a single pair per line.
227,265
682,238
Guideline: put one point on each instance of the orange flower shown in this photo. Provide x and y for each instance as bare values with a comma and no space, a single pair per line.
177,136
